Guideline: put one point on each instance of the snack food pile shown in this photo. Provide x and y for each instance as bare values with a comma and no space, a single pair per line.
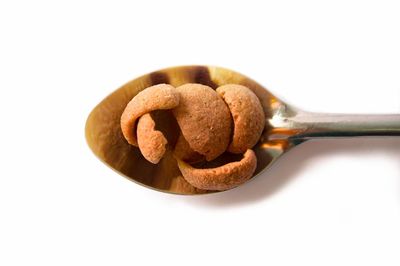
228,119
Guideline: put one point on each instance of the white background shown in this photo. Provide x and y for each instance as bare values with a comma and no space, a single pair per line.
325,203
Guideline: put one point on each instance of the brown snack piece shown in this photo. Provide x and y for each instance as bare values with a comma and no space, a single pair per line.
224,177
185,153
157,97
248,116
204,119
151,141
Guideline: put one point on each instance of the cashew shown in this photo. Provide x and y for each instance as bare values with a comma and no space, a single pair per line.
248,116
224,177
185,153
157,97
151,141
204,119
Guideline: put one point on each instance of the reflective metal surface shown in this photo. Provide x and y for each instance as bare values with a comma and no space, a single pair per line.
286,127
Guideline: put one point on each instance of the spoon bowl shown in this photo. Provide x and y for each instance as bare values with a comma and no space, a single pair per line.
285,128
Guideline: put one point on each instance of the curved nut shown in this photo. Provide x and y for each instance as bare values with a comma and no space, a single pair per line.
248,116
151,141
204,119
157,97
185,153
220,178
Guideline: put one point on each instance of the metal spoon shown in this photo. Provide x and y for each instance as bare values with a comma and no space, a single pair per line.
286,127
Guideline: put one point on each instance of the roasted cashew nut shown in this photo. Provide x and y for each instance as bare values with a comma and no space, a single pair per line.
184,152
204,119
248,116
157,97
224,177
151,141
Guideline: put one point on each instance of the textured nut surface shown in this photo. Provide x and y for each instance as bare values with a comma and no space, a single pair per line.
204,119
248,116
151,141
185,153
157,97
224,177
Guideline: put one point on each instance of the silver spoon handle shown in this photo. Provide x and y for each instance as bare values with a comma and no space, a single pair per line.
312,125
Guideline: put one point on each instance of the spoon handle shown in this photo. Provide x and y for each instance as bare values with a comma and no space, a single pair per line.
314,125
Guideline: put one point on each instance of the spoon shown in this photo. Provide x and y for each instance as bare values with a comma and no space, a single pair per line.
286,127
